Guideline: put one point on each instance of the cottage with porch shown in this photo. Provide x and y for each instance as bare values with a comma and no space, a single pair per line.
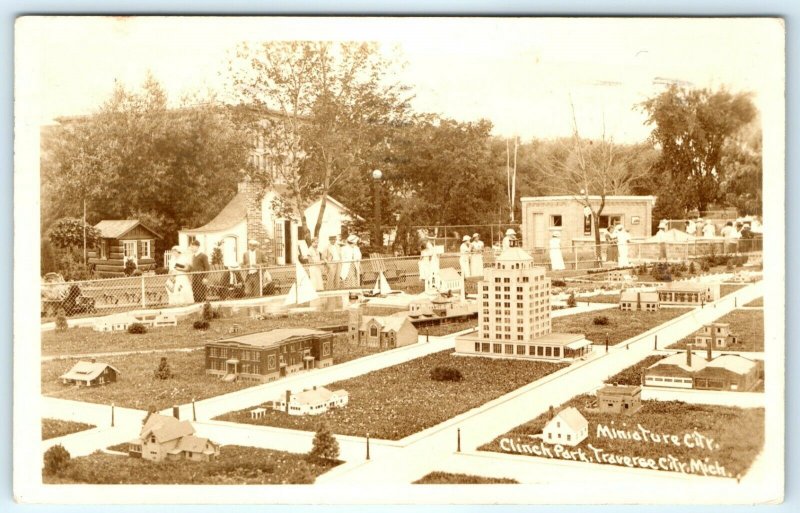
90,374
167,438
316,401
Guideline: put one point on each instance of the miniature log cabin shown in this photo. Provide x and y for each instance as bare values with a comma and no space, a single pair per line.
120,241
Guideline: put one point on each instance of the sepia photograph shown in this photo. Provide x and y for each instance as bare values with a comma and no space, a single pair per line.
331,260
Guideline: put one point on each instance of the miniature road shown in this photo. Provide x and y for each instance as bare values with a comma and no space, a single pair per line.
483,424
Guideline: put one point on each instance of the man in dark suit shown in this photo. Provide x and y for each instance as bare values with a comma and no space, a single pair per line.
200,266
253,262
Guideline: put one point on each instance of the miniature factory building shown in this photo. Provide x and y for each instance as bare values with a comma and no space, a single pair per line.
635,300
514,314
687,370
683,293
121,321
316,401
90,374
167,438
717,335
385,332
619,399
268,355
567,427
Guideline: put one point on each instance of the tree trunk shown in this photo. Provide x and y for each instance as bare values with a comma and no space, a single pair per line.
598,252
323,202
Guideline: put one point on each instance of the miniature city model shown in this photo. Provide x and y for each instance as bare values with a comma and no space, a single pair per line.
619,275
445,280
514,318
121,321
567,427
619,399
167,438
725,372
385,332
683,293
268,355
441,309
311,402
89,374
634,300
716,335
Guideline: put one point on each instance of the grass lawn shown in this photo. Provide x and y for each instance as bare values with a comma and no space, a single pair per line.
53,428
236,465
86,340
747,325
398,401
737,433
448,328
599,298
633,374
759,301
621,326
448,478
728,288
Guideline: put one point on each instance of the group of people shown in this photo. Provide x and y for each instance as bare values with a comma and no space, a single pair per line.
340,259
183,287
471,256
617,239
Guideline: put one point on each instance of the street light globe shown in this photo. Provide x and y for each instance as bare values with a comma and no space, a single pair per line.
377,174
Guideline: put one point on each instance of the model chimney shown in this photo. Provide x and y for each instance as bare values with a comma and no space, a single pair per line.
176,412
689,355
708,352
315,387
288,396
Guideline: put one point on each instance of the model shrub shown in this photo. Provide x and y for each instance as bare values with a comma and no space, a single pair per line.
137,328
446,374
571,302
56,459
600,320
325,445
201,325
163,371
61,321
559,283
692,269
130,267
208,312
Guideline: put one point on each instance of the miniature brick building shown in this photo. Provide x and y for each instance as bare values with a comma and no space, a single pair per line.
634,300
268,355
89,374
683,293
687,370
514,314
385,332
619,399
316,401
567,427
717,335
167,438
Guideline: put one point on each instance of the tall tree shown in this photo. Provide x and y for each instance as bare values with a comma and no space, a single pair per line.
326,109
742,183
691,127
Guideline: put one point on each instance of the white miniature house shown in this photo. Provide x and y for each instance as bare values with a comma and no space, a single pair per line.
567,427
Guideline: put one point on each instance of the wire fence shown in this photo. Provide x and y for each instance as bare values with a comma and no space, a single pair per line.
154,291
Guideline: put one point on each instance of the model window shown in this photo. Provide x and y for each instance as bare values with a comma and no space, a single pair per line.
484,347
326,348
477,347
556,221
520,348
373,331
509,349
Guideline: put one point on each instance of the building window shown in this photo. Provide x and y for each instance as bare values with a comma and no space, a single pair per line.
484,347
145,247
556,221
496,348
520,349
326,348
271,362
373,331
477,347
129,250
509,349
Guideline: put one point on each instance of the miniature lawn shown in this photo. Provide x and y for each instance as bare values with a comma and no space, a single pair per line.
448,478
86,340
738,433
729,288
598,298
54,428
747,325
621,326
398,401
633,374
236,465
759,301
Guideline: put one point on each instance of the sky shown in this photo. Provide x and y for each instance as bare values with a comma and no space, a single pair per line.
521,74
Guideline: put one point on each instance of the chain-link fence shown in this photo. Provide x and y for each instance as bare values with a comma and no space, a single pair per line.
149,291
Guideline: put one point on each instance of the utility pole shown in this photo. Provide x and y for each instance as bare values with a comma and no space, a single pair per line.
84,232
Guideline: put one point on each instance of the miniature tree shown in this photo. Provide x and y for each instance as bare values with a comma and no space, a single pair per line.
130,267
201,325
163,371
61,320
692,269
325,445
137,328
571,302
208,312
446,374
216,255
56,459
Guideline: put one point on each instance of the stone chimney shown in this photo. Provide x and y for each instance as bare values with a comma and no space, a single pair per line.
288,396
176,412
255,226
689,355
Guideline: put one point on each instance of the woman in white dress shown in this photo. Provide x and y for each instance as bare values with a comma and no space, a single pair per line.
622,237
179,288
464,256
476,260
556,258
351,263
315,265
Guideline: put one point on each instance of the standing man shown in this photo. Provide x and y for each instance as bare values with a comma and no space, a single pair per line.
464,256
200,266
252,260
332,256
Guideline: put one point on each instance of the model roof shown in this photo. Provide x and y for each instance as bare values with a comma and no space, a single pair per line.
560,339
165,428
572,417
388,322
448,273
637,295
732,362
191,443
116,228
316,396
679,359
514,254
626,390
682,285
272,337
84,370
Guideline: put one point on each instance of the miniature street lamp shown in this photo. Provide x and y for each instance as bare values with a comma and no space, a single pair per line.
367,446
194,411
655,343
112,414
458,447
606,341
377,175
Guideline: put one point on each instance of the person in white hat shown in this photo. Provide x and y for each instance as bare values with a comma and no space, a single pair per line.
179,288
332,255
510,238
464,256
476,259
253,274
623,237
556,258
351,263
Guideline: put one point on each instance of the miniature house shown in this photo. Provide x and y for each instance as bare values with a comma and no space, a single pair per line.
167,438
121,321
619,399
635,300
385,332
268,355
568,427
120,241
316,401
445,280
687,293
89,374
619,275
717,335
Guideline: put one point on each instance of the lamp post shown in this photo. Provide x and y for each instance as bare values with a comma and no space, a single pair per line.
377,175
